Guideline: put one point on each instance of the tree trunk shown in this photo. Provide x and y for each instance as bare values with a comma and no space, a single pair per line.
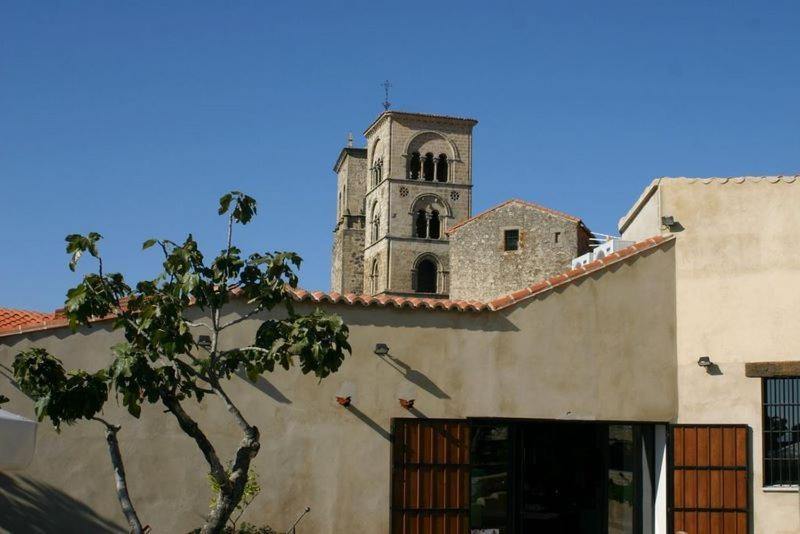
120,480
230,497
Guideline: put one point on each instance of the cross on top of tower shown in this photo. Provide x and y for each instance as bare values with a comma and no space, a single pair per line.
386,85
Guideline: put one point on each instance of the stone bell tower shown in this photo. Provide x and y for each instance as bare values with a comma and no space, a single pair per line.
418,183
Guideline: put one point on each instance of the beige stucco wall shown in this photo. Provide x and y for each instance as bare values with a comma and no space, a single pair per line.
602,348
738,301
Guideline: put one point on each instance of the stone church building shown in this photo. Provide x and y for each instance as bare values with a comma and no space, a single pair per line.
511,371
404,222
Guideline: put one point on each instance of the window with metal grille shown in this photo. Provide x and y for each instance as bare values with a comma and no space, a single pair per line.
781,398
511,239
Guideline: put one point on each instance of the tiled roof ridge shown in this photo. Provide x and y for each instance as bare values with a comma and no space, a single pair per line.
57,320
527,203
577,273
301,295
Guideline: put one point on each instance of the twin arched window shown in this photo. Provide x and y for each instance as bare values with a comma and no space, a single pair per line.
427,224
429,168
377,171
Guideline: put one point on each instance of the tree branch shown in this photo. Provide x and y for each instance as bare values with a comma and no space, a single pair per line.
197,324
243,317
119,476
229,498
234,411
190,427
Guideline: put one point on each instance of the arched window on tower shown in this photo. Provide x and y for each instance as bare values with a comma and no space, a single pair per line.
373,277
421,224
376,228
377,171
414,166
426,276
434,225
428,167
441,168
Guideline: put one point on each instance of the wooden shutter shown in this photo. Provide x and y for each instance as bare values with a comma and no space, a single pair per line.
709,467
430,476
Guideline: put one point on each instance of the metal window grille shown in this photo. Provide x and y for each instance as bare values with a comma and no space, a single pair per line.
781,398
511,240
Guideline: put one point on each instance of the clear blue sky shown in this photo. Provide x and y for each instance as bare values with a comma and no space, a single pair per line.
131,118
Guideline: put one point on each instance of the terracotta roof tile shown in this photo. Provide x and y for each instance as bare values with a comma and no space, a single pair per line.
574,274
17,321
13,319
533,205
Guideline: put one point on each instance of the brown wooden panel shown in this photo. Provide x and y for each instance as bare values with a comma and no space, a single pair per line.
709,479
430,476
772,369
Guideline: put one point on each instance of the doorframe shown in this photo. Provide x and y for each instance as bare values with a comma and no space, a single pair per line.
661,480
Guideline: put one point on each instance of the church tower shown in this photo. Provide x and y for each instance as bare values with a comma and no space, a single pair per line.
347,262
418,184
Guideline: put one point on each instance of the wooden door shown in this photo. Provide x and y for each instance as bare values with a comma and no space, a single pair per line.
430,476
709,466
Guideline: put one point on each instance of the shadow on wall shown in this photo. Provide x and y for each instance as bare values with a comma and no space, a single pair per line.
265,387
382,432
417,378
30,506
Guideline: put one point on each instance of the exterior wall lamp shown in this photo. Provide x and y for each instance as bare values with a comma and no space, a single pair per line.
668,220
381,349
407,403
346,394
705,361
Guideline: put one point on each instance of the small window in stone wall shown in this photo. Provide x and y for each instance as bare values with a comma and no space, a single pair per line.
454,195
511,239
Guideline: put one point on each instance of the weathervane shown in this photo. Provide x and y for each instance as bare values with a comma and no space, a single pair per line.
386,104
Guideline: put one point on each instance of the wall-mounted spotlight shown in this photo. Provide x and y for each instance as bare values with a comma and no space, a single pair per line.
381,349
204,341
346,394
705,361
407,403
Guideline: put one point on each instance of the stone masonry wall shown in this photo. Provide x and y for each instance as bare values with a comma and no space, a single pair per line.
480,267
347,257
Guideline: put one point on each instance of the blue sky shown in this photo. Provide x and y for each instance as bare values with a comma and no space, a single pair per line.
131,118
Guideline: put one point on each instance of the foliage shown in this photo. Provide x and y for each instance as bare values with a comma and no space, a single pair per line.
161,359
61,396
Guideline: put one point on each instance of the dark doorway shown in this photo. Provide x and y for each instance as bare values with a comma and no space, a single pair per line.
561,477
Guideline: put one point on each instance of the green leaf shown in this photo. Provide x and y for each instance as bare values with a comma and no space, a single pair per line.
224,203
149,243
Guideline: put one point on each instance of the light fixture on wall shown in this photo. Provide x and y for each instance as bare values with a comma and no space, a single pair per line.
668,220
407,403
705,361
204,341
407,394
346,394
381,349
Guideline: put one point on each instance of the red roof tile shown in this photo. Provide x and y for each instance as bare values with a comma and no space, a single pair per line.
11,319
515,201
17,321
574,274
